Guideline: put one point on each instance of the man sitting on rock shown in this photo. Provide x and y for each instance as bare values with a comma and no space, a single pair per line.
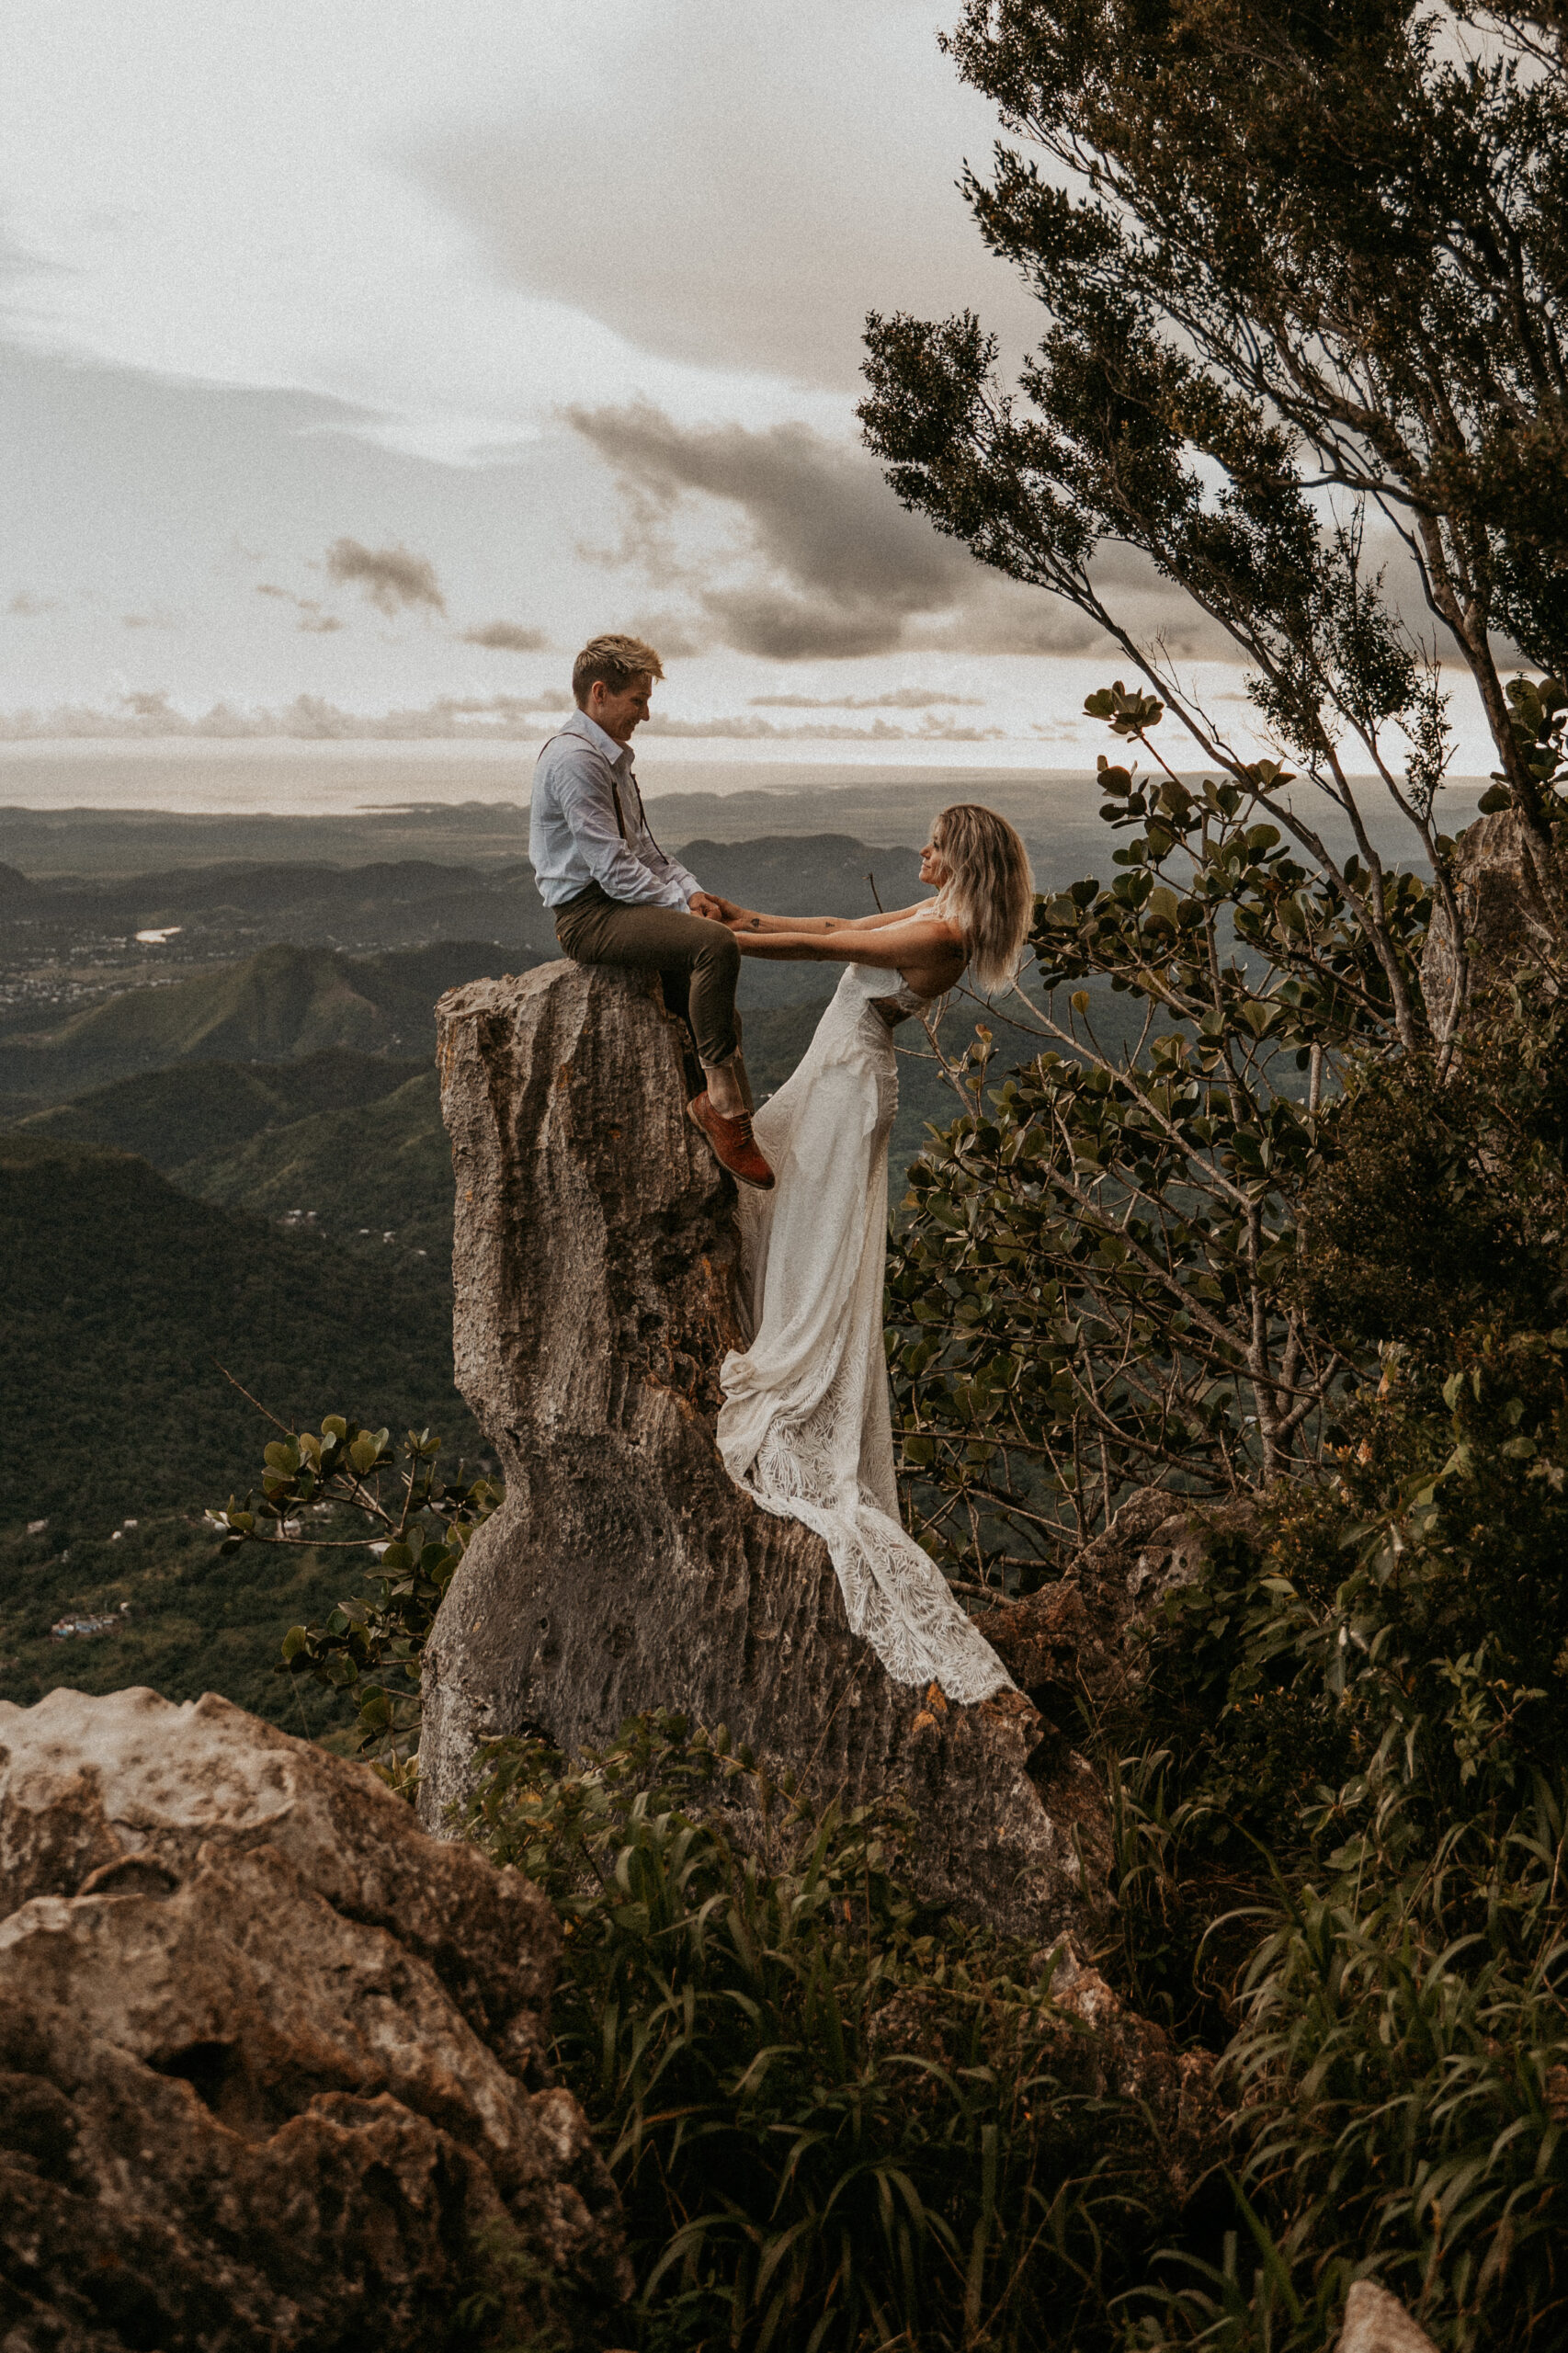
618,899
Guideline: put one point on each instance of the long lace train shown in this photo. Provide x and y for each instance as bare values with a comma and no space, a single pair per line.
806,1426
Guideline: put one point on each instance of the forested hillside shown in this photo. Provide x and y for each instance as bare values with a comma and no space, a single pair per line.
123,1303
172,1115
284,1003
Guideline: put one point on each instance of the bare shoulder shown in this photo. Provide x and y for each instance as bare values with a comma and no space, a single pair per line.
939,930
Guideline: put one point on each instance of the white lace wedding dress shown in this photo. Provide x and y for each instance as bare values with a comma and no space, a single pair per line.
806,1427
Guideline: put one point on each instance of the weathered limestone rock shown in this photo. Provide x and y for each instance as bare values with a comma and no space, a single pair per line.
1125,2057
595,1266
1158,2109
1507,892
1070,1644
269,2056
1376,2322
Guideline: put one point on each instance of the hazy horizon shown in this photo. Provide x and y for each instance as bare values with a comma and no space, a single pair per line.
288,778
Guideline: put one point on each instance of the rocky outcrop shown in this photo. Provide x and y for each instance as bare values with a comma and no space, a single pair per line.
1376,2322
269,2056
1510,899
1124,2058
1072,1646
595,1267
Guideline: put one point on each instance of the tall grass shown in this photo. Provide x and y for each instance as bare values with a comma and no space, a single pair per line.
1399,2064
835,2122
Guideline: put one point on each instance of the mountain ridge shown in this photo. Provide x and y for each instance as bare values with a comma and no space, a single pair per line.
284,1003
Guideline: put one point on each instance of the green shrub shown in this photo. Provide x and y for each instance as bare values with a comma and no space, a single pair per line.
835,2121
368,1649
1344,1852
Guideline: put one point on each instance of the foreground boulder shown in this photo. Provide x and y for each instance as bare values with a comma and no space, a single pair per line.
271,2059
595,1266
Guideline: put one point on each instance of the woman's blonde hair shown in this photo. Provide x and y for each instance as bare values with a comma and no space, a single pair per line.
988,893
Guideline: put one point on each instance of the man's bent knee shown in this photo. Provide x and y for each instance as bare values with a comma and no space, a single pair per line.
719,955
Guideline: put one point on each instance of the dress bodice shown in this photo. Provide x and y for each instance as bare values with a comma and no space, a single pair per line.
869,981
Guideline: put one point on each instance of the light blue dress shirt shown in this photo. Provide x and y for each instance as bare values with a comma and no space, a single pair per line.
572,836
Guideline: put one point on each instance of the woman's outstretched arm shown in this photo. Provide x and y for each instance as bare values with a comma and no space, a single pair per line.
745,920
913,941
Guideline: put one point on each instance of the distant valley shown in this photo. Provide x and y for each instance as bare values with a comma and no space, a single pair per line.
70,942
124,1303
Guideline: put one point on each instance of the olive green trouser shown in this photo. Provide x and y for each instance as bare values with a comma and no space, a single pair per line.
697,960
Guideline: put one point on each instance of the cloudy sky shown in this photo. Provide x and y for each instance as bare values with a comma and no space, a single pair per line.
375,352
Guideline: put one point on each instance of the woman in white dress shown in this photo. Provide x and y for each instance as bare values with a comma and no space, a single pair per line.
806,1426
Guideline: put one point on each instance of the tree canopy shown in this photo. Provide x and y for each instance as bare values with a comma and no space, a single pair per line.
1302,267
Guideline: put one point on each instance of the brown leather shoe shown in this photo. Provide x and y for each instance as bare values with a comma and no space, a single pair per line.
734,1145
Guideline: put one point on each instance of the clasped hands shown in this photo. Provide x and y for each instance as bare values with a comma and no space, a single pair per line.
717,910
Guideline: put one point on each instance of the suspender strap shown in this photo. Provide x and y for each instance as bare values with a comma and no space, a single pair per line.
614,788
614,779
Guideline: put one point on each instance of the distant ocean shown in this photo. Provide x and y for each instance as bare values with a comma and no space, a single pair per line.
729,790
203,776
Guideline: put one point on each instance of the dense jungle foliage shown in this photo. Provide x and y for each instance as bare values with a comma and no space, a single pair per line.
1340,1807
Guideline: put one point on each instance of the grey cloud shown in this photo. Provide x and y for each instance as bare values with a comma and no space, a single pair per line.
309,717
147,710
898,699
849,566
450,718
1001,615
392,579
800,629
506,637
312,619
832,566
671,634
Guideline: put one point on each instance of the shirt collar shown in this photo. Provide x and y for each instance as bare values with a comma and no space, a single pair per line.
581,724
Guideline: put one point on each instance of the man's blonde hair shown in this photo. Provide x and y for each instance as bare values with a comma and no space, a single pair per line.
615,662
988,893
